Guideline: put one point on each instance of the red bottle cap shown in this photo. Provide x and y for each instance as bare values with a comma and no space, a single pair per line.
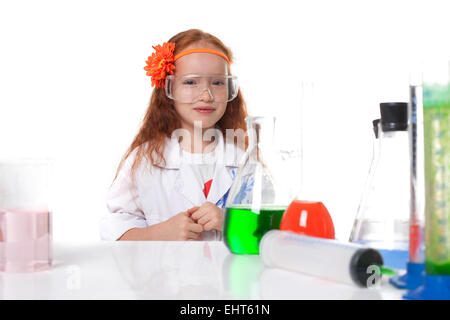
308,218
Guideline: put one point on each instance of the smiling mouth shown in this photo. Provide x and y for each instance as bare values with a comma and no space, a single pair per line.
204,109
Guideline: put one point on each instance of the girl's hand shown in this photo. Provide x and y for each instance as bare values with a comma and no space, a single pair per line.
181,228
208,215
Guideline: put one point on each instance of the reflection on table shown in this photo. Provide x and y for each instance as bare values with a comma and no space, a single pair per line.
171,270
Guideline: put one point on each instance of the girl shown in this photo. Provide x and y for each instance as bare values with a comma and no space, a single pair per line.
173,182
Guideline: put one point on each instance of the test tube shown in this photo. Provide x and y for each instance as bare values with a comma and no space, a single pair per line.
436,111
417,179
332,260
415,266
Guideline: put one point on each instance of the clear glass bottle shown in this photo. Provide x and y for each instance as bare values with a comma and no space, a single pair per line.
382,220
261,191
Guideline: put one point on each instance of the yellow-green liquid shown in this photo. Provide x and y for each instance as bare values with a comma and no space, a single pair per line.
244,228
437,179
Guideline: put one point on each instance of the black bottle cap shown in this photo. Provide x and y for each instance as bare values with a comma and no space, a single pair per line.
375,127
394,116
365,267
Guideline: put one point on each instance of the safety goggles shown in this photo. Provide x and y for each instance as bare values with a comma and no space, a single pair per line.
191,88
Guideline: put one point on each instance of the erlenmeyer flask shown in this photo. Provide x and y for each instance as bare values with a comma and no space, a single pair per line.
261,191
382,221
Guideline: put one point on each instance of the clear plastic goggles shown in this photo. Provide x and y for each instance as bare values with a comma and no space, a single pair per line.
191,88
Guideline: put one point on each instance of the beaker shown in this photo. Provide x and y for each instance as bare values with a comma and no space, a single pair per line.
382,220
25,217
436,113
264,186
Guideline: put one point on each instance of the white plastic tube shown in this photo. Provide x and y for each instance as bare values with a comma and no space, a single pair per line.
328,259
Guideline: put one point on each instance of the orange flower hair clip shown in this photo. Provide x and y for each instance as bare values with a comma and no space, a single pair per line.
162,62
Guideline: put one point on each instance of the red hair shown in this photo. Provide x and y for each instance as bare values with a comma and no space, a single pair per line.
161,119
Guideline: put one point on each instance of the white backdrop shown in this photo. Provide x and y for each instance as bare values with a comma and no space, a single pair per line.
72,84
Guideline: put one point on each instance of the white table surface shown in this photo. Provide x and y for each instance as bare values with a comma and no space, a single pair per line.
171,270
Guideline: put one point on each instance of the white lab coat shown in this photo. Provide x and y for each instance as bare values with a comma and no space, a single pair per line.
160,193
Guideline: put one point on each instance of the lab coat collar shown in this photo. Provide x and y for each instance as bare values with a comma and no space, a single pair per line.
228,156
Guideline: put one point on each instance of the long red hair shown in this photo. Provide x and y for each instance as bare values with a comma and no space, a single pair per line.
161,119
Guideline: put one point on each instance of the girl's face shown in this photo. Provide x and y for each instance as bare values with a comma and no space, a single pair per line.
205,108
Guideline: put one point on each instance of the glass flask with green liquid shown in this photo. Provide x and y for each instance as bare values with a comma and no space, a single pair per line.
264,186
436,114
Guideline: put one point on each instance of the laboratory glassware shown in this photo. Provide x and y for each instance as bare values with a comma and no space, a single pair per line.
324,258
309,218
25,215
436,123
263,188
415,266
436,108
382,220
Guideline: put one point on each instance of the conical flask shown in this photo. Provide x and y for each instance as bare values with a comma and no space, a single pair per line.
382,220
261,190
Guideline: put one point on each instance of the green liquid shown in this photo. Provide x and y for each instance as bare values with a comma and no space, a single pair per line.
243,228
436,113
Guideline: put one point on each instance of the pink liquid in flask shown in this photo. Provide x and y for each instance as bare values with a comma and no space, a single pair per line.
25,240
